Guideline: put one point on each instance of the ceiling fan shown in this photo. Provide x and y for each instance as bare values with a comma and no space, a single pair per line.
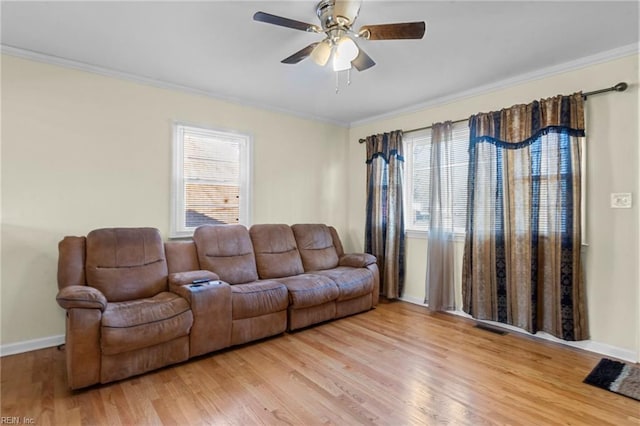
336,22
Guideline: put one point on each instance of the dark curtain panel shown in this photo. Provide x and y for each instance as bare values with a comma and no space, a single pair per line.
522,259
384,231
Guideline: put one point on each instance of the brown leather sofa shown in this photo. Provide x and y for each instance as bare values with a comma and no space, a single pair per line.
132,305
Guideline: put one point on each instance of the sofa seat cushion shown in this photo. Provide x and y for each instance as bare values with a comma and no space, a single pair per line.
310,290
351,282
141,323
258,298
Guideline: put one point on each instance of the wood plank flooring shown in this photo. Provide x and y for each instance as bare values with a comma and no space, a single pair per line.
395,365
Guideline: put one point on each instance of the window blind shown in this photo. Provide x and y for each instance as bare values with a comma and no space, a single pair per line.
211,180
418,178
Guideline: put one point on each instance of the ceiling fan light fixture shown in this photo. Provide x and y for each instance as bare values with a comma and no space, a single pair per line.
340,63
346,50
337,19
321,53
348,9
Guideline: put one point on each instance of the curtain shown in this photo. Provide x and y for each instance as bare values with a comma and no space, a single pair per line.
440,242
522,260
384,230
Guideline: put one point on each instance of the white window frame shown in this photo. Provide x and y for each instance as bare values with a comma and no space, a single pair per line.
178,228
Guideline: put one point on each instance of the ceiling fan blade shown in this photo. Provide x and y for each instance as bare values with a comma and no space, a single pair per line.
300,54
404,30
284,22
362,61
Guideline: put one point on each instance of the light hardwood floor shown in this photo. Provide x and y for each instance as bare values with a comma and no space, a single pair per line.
395,365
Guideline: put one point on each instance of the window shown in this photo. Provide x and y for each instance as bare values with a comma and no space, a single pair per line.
550,181
418,177
210,178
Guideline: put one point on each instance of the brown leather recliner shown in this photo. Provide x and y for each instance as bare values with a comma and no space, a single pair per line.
355,274
323,282
258,307
132,304
312,298
122,320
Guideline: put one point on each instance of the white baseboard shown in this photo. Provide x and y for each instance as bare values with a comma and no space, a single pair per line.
414,300
31,345
587,345
597,347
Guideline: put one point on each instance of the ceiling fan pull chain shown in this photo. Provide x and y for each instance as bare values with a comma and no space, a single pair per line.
349,77
337,81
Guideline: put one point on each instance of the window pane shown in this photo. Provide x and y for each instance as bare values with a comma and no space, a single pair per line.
211,204
211,179
211,159
421,185
418,172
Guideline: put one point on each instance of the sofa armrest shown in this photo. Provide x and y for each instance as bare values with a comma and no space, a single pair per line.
211,307
178,279
357,260
71,259
81,296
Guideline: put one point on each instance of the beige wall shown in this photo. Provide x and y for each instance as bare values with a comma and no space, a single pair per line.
612,257
82,151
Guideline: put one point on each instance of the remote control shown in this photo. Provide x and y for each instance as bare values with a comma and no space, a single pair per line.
200,281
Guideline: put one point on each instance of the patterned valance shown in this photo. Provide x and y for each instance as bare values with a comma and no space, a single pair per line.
385,145
560,114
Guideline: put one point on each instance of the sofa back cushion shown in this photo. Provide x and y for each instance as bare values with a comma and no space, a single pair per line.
315,245
227,251
336,241
181,256
126,263
276,252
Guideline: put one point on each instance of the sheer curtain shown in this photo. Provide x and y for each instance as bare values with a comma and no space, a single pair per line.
384,229
440,242
522,260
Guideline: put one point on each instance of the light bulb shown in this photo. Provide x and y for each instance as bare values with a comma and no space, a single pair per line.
347,48
320,54
346,51
340,63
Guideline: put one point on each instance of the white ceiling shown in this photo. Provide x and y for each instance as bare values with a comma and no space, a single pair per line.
215,47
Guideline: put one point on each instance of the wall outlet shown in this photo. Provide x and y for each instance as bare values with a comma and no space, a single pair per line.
620,200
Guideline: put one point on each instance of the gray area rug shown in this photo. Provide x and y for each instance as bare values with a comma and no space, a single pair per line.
617,377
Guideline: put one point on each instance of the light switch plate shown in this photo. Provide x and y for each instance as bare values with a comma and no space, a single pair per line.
620,200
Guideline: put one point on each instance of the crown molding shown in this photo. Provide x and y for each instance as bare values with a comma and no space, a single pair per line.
606,56
107,72
586,61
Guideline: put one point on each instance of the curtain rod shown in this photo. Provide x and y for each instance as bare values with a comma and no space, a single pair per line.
620,87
